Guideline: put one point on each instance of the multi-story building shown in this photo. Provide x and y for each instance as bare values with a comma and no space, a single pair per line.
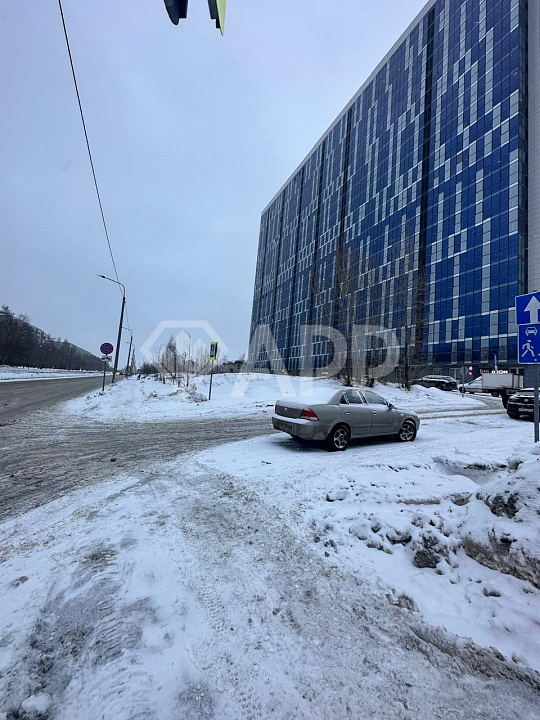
419,208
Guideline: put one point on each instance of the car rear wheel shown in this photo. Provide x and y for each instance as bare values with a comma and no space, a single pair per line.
338,438
494,393
407,432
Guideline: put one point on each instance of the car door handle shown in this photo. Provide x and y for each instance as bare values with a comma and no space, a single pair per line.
347,412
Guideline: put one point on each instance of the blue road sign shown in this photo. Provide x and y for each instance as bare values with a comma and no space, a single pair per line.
529,344
528,309
106,348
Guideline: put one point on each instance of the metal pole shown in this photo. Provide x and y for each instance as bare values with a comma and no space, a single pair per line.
536,404
211,376
104,368
128,368
119,340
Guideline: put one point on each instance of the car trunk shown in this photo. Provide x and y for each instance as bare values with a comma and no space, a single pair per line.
290,409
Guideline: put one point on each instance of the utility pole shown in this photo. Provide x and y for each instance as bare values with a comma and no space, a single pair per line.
119,340
128,366
129,351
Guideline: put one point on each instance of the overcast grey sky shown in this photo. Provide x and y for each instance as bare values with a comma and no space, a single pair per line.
192,134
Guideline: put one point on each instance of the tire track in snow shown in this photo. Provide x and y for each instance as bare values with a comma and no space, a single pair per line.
339,632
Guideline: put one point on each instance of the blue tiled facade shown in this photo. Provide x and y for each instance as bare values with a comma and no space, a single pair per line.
411,212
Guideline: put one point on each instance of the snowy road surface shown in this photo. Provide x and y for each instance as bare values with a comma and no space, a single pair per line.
174,584
44,456
187,595
19,398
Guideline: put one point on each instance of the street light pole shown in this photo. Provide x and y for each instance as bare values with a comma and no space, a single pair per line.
128,366
130,344
119,340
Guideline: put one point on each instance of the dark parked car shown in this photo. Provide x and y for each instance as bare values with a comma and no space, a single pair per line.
441,382
336,417
522,403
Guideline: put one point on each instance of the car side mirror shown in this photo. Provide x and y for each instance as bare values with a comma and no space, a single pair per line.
390,406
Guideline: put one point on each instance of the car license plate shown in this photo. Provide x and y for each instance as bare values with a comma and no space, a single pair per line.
527,409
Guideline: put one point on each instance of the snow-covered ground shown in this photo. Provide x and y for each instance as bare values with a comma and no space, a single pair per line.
7,372
414,515
271,579
244,394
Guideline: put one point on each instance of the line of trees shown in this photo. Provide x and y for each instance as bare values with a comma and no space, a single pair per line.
23,344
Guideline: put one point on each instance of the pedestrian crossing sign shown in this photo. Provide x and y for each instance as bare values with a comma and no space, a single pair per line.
529,344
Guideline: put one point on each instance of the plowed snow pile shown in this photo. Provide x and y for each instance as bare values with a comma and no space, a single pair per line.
500,528
236,394
450,524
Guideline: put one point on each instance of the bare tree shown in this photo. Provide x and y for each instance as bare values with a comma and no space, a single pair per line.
343,312
168,360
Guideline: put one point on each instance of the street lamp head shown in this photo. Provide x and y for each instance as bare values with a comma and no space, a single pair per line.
117,282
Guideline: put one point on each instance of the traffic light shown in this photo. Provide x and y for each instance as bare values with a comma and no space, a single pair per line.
177,10
217,13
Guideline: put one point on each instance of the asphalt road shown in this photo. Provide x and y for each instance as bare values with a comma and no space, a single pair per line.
20,397
46,454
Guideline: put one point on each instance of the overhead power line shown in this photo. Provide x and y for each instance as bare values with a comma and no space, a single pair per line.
86,138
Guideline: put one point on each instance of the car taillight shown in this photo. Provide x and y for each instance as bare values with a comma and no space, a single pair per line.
308,414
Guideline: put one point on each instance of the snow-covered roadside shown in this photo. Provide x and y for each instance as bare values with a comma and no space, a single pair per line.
85,586
7,372
245,394
189,592
413,516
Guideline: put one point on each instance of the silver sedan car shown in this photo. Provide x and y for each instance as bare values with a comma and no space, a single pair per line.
344,415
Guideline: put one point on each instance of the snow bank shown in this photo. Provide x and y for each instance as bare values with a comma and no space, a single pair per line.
237,394
501,528
448,524
7,372
421,399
